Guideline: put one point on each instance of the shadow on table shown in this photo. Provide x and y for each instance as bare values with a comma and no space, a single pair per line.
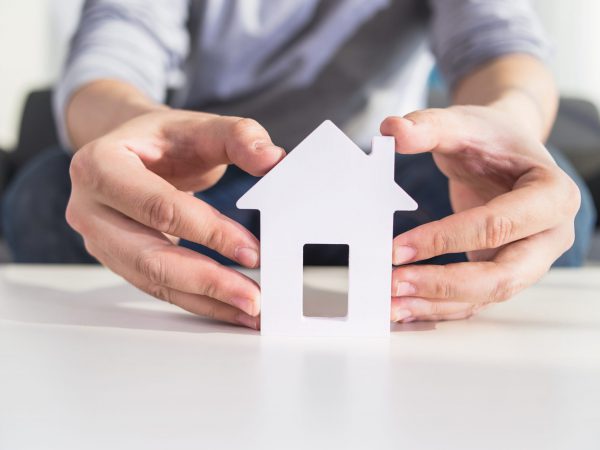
120,306
413,326
123,306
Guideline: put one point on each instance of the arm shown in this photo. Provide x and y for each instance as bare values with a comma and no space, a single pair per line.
103,105
119,65
514,209
519,85
137,161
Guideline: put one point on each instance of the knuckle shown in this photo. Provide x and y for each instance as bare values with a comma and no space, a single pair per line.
430,116
448,290
566,191
569,238
210,285
152,267
441,243
73,218
159,213
83,170
573,201
211,311
444,288
435,309
214,237
242,127
78,166
210,288
160,292
505,288
498,230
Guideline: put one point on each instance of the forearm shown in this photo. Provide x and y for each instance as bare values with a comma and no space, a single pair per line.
100,106
518,84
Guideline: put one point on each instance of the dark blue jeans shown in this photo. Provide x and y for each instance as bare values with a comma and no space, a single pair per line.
34,225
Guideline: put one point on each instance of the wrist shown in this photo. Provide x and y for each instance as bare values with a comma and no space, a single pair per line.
101,106
524,111
516,85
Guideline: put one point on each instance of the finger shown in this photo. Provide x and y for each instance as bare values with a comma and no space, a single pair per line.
408,309
515,267
213,309
463,282
249,146
421,132
128,187
541,200
219,140
196,304
445,130
137,252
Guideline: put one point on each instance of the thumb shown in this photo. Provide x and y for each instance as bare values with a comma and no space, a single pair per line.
219,140
442,130
248,145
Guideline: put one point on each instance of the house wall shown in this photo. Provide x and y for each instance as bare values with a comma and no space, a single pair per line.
369,282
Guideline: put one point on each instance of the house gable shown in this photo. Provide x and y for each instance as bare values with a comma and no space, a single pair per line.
329,167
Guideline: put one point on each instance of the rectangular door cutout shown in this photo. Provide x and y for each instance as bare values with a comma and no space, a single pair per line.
320,297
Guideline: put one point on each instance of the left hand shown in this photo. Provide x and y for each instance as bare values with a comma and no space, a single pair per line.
514,211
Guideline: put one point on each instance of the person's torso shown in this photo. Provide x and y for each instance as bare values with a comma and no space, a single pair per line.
290,64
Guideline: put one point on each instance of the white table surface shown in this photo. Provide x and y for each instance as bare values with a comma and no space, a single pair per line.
87,362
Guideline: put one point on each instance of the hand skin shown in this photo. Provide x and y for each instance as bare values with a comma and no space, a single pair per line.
131,185
514,208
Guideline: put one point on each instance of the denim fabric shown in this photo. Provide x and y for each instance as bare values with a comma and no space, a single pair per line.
33,210
33,213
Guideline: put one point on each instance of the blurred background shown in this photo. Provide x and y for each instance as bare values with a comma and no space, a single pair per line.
34,36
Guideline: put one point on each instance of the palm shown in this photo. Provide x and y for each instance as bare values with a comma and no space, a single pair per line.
475,178
190,162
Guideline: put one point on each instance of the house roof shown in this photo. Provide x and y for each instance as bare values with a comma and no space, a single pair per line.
326,164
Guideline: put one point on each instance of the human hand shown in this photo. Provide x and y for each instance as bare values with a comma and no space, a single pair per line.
130,195
514,211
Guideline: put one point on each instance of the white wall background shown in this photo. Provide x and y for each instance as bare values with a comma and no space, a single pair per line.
574,27
34,34
33,40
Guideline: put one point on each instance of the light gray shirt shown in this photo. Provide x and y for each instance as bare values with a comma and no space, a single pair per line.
290,64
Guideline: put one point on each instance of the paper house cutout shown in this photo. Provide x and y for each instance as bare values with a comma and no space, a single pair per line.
328,191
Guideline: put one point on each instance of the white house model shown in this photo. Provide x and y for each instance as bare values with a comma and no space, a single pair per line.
328,191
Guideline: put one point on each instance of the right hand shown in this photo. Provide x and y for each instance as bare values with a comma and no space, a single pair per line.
131,194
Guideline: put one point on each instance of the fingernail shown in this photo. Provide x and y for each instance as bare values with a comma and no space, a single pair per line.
259,146
247,256
404,288
245,304
400,314
247,321
402,254
263,147
279,152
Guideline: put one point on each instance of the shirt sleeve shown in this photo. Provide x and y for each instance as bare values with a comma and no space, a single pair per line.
141,42
467,33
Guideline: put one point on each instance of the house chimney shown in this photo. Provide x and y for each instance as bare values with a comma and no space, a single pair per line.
383,153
